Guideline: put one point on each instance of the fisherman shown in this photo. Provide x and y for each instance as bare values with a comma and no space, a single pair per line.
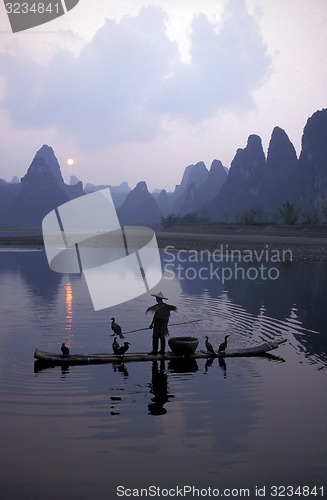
160,321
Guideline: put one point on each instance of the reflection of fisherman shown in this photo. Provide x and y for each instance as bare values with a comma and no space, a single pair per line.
160,322
159,389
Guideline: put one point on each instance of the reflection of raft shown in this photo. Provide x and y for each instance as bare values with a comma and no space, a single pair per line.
85,359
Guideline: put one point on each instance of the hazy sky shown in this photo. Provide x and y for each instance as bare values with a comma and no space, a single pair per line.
137,90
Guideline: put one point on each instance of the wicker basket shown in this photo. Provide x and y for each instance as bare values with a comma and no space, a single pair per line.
183,346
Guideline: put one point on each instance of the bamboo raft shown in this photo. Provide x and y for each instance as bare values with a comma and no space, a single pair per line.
53,359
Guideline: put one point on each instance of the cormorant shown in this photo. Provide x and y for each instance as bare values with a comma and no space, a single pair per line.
121,351
115,346
64,349
223,345
209,346
116,328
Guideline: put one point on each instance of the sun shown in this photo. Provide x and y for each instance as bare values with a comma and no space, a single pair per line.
70,162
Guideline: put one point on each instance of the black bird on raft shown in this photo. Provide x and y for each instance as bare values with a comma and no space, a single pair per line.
209,346
121,350
116,328
115,346
64,349
223,345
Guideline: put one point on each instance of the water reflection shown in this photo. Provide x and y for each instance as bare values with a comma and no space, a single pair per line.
163,373
64,371
223,366
223,362
69,307
41,281
208,363
159,389
120,368
185,365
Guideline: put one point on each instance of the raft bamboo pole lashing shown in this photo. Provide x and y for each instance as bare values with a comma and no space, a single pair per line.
170,324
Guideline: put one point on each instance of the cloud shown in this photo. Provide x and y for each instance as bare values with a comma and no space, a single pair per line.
99,96
226,67
130,76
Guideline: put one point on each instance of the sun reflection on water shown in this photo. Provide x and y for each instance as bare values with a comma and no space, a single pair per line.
69,310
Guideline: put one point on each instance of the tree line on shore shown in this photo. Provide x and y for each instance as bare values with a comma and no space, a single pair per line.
288,213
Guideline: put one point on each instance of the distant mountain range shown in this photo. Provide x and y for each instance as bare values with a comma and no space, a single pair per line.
264,184
254,184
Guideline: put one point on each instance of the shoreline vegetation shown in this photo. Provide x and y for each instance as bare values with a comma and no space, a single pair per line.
305,242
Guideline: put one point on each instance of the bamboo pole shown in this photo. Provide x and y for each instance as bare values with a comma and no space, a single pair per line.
170,324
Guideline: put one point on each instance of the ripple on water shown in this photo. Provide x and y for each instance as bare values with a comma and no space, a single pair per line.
221,316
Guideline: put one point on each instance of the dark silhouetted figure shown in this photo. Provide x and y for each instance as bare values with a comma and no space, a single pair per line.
209,346
64,349
121,350
160,322
116,328
223,345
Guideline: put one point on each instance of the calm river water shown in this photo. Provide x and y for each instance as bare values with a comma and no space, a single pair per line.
81,432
